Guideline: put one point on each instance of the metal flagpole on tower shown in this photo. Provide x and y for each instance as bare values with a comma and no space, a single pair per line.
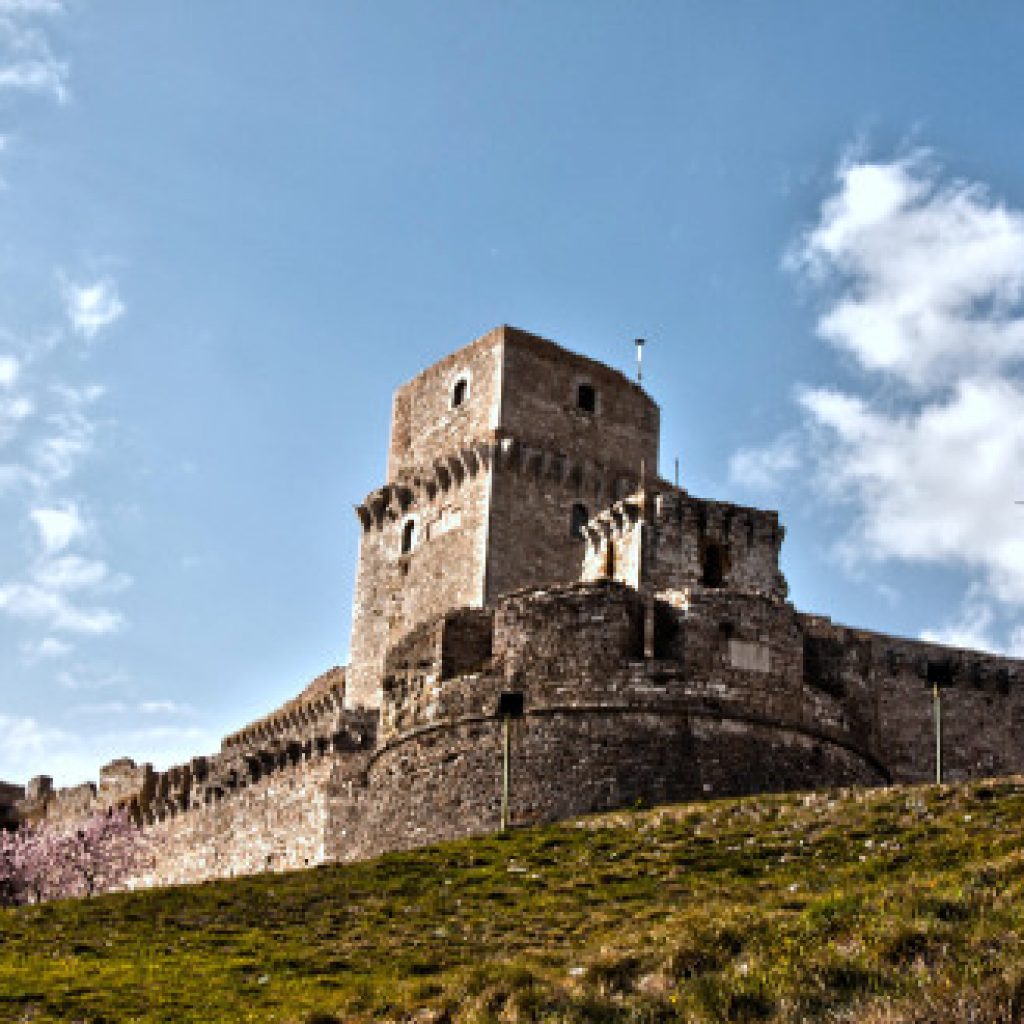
640,342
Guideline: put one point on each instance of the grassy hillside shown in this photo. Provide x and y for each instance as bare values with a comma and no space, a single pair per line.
874,906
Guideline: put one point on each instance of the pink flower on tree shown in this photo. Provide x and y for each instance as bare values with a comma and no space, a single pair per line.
97,854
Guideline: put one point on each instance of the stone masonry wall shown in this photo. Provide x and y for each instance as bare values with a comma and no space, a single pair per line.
424,424
665,539
718,712
887,684
539,406
10,796
531,543
444,784
276,824
443,569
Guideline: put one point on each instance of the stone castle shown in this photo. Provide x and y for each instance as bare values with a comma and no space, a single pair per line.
542,628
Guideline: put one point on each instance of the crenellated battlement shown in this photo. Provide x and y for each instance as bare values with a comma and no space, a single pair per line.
313,727
663,539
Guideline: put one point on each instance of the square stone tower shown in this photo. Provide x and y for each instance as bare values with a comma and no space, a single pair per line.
500,453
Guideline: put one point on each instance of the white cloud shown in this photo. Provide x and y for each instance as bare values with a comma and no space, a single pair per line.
31,7
70,572
26,745
26,62
14,411
56,578
77,397
58,527
9,368
47,648
85,679
109,707
28,748
92,307
34,603
165,707
929,275
934,484
765,468
927,280
923,285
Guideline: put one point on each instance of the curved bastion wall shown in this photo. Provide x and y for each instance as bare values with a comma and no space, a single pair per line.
602,725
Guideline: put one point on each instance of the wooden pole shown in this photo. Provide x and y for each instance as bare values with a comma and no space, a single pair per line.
937,704
504,772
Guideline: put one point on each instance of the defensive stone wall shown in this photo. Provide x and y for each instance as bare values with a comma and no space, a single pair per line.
721,709
275,824
887,686
10,796
665,539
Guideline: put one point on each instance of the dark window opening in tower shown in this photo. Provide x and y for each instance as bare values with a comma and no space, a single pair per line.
577,521
407,536
714,566
586,398
459,394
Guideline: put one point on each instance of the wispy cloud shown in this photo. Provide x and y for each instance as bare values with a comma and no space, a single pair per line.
53,609
972,627
27,64
46,648
87,678
62,588
31,747
165,707
32,7
768,467
91,307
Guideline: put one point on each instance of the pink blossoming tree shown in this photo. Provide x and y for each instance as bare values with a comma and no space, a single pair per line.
45,862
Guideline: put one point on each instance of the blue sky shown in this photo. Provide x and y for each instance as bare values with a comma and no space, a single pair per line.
228,231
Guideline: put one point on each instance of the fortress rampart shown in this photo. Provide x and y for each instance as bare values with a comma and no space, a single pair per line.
533,604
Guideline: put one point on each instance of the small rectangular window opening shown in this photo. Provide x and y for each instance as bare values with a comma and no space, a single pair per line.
510,704
459,393
940,673
578,521
713,569
586,398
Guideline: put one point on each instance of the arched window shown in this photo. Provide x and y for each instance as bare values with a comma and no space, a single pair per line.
459,392
586,398
578,520
408,532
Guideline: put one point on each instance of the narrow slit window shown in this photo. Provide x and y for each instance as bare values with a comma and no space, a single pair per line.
408,532
586,398
460,392
577,521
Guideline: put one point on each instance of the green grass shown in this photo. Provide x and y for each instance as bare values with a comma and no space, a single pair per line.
904,904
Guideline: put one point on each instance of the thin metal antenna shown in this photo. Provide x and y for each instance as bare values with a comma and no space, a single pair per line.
677,472
640,342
